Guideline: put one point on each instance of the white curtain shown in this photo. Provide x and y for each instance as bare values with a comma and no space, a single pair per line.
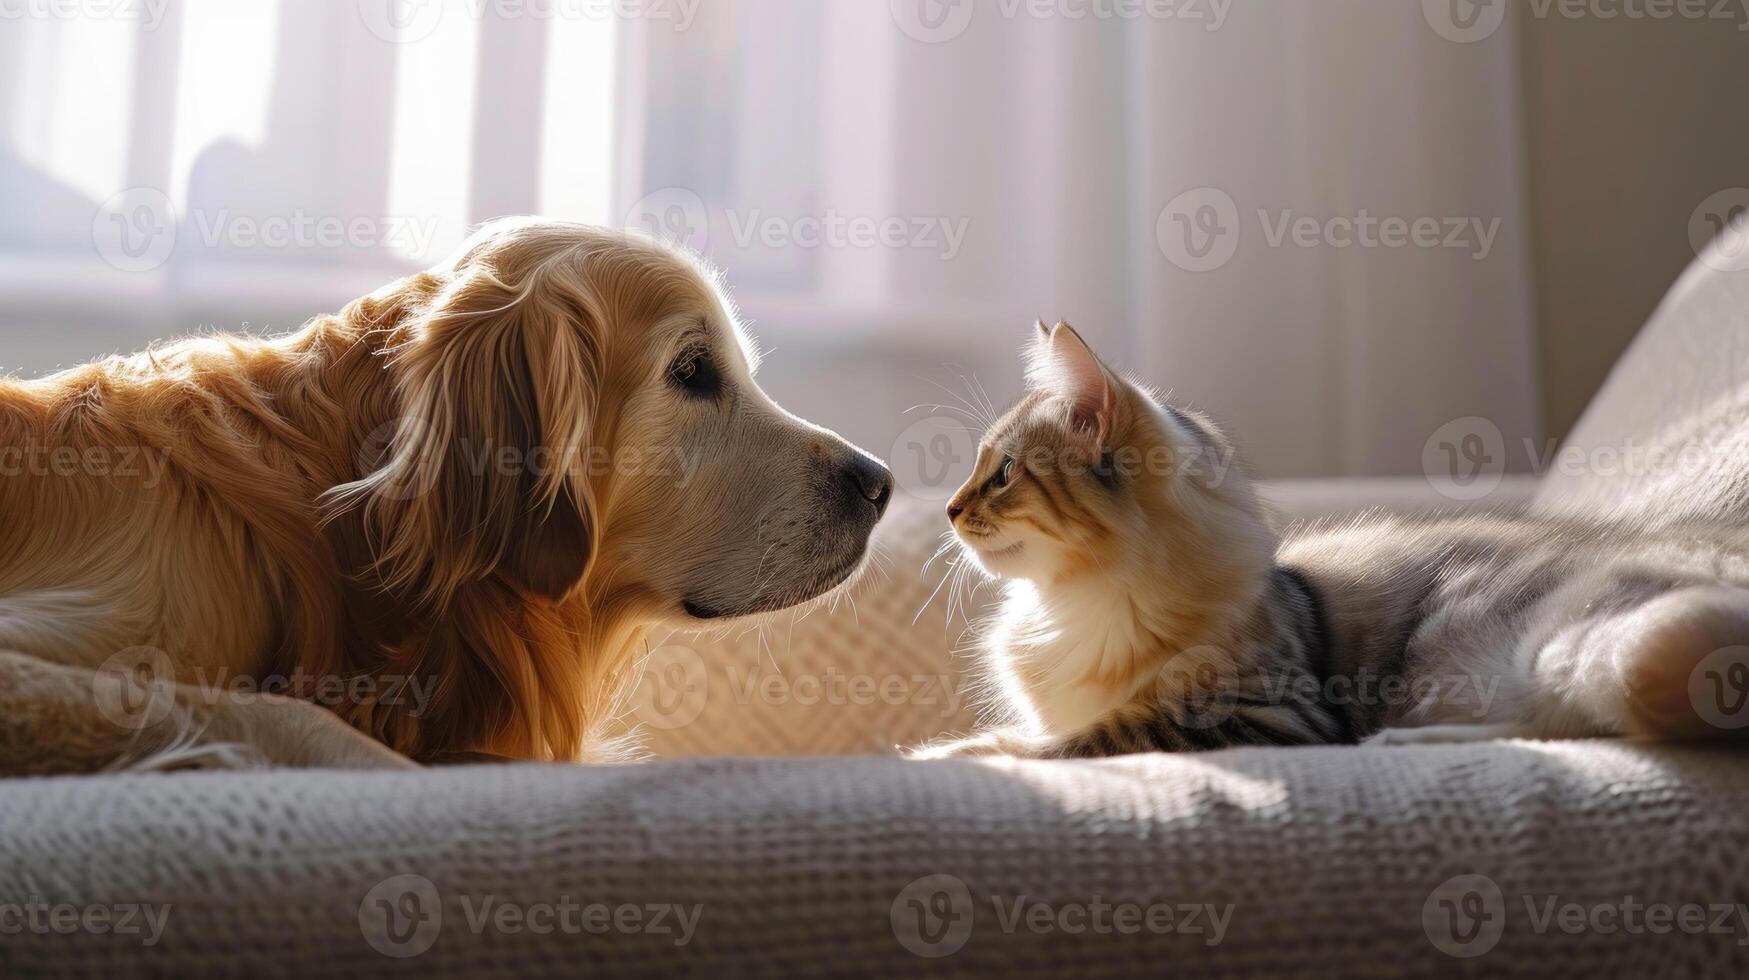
1059,142
895,188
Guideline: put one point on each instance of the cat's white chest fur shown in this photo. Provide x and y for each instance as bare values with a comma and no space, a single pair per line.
1069,658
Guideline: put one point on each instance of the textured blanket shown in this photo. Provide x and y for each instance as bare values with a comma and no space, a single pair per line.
1522,859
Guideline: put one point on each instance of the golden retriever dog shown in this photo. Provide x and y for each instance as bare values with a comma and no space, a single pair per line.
440,523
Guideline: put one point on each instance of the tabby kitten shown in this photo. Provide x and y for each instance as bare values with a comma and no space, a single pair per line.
1149,605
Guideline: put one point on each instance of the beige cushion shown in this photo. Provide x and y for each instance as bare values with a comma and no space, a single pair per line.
1668,435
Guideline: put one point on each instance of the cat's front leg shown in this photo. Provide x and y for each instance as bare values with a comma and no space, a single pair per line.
990,743
1457,734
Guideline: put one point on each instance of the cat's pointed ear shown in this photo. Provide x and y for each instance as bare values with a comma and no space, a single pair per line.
1061,365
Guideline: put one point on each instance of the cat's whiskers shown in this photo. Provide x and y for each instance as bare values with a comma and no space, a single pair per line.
971,410
948,541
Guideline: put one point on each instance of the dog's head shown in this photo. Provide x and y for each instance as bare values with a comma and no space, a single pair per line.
578,419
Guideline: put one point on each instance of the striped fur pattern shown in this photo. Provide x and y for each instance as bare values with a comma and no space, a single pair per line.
1150,606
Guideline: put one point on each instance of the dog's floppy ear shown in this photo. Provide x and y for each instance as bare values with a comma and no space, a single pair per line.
497,386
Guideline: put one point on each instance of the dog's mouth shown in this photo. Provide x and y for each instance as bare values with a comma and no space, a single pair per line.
844,570
698,610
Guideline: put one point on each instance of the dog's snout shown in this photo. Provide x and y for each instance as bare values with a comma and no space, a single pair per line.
870,480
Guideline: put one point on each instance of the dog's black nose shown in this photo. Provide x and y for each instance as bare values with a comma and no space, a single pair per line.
871,480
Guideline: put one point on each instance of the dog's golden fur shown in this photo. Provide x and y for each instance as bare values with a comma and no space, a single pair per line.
312,505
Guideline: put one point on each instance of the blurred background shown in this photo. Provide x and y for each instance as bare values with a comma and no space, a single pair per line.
1339,226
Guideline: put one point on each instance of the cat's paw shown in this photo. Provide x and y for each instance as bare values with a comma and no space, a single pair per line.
990,743
1445,734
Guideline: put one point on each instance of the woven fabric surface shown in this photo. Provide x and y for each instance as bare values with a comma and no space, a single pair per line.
885,666
1304,862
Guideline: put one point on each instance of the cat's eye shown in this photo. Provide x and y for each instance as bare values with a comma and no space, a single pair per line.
1004,473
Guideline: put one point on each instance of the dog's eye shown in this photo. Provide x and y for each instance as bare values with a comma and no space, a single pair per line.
695,373
1106,470
1004,473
